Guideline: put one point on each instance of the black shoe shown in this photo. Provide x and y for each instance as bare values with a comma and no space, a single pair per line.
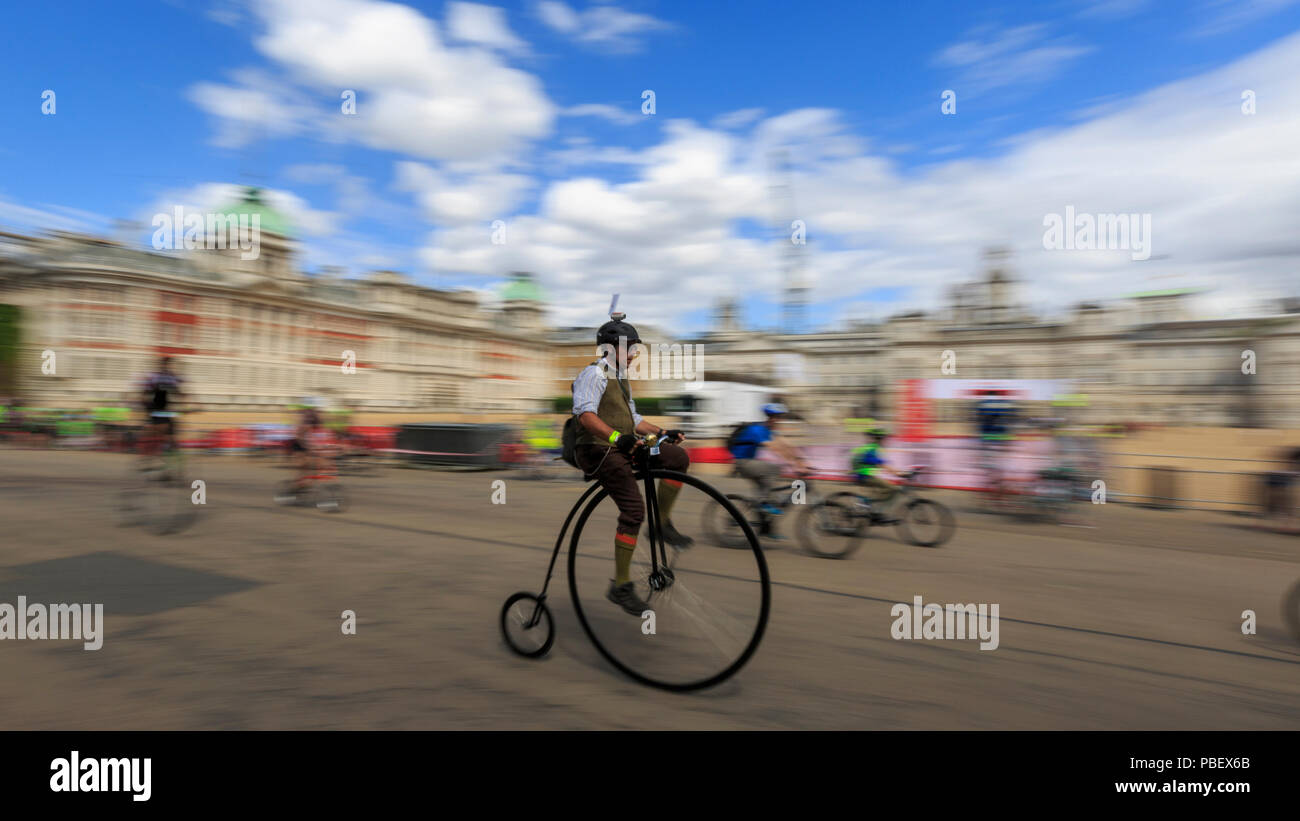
674,539
624,595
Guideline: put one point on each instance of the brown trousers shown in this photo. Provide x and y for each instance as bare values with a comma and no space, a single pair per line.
616,475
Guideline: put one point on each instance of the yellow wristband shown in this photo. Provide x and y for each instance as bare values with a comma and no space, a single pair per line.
613,437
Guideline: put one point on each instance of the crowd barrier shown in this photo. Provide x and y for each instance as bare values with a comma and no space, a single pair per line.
454,444
957,463
951,463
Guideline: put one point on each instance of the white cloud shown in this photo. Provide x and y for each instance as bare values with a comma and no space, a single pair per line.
1228,15
51,217
1222,189
256,108
226,12
559,16
352,193
484,26
614,114
993,57
415,94
603,26
304,220
454,199
737,119
580,151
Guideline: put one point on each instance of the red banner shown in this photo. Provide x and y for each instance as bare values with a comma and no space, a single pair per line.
914,407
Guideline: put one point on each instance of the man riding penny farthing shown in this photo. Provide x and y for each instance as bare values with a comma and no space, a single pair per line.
661,621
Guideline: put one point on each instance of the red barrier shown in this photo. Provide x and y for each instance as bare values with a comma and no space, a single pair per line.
375,437
233,439
714,455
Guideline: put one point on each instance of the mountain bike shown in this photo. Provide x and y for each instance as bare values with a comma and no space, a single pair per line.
721,529
707,609
835,527
1044,496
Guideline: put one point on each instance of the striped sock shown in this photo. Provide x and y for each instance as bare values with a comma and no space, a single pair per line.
668,489
624,547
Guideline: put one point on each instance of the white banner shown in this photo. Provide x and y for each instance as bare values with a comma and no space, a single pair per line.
1039,390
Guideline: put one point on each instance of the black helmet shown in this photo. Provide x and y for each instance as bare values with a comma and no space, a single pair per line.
611,331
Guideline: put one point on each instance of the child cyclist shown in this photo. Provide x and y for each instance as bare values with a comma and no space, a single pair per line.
871,471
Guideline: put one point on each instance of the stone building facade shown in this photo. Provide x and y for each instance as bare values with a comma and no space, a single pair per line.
259,334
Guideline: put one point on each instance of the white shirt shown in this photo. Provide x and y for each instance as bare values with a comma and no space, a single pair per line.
589,387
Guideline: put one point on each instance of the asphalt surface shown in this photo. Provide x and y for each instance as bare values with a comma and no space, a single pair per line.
1135,623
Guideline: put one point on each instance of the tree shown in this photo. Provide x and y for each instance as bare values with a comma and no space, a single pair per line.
10,332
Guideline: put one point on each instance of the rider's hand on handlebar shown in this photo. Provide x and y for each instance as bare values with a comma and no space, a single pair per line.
626,443
674,436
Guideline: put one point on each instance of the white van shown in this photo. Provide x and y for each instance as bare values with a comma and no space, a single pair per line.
711,410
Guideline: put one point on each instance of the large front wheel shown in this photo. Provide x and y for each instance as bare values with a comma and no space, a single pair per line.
704,610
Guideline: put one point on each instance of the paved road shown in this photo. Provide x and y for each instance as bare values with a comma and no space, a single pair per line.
236,623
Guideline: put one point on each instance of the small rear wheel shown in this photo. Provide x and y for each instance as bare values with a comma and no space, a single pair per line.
526,625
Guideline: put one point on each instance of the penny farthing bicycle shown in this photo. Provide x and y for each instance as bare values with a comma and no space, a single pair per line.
706,609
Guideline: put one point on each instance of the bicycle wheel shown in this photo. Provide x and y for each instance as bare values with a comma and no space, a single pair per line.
706,610
926,523
834,528
1053,497
331,498
178,510
526,625
723,529
131,507
158,506
286,493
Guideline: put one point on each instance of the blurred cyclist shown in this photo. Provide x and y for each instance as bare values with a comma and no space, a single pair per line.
539,435
608,425
995,419
744,445
307,448
159,393
871,471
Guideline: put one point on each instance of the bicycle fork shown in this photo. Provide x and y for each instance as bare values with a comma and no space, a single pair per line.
658,579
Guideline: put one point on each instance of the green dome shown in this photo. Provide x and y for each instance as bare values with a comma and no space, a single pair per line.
252,203
522,286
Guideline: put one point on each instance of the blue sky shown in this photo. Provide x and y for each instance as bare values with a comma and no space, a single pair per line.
163,102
